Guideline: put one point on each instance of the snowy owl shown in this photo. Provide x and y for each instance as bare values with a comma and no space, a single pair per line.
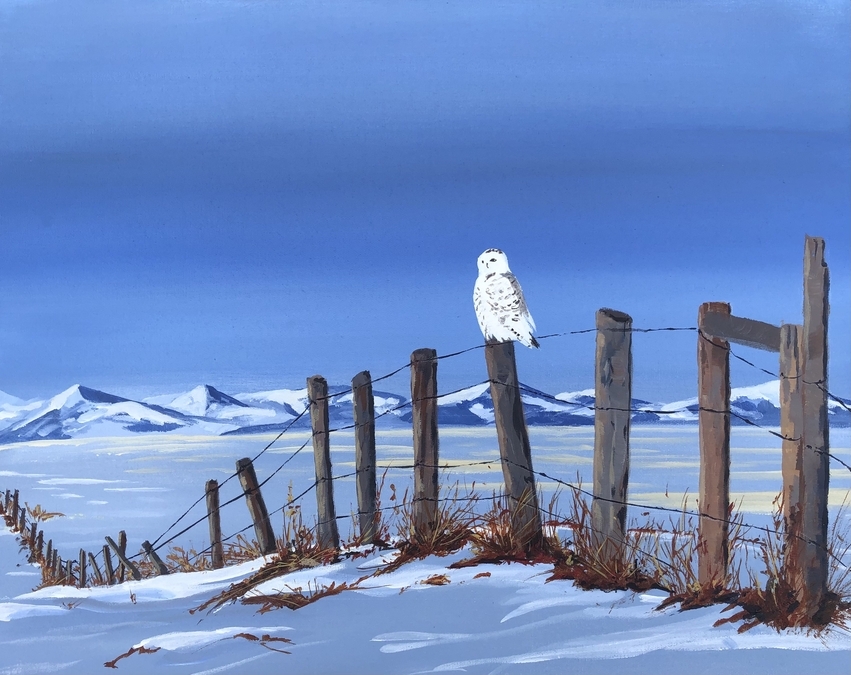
498,299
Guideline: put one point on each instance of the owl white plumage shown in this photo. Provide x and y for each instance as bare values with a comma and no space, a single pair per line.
498,299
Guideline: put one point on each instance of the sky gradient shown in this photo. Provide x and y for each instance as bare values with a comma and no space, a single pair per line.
248,193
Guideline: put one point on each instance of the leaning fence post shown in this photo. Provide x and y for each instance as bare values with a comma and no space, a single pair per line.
129,566
815,465
713,377
317,393
426,441
364,414
514,448
159,565
95,570
613,400
214,520
256,506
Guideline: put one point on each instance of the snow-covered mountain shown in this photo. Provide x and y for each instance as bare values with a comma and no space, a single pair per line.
83,411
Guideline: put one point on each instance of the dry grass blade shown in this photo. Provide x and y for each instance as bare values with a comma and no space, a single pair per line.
295,598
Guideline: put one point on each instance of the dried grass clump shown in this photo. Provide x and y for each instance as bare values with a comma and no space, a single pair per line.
451,528
592,562
775,601
296,598
493,541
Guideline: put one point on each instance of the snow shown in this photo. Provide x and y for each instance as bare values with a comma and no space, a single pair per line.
391,623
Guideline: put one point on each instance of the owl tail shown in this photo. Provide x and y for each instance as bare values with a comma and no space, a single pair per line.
534,343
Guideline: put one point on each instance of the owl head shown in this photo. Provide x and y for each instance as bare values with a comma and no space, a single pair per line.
493,261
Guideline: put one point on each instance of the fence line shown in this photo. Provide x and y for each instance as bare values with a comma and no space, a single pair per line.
524,388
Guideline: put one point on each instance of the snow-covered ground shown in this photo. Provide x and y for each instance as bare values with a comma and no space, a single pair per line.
510,621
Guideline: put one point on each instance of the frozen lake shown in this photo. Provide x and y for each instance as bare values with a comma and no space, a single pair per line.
141,484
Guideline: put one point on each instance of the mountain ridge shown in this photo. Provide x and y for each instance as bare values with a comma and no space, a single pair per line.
81,411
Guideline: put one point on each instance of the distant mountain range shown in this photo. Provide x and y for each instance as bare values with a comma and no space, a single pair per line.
82,412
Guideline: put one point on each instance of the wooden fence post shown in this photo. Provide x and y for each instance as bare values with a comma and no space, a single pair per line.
82,576
613,400
514,448
815,465
713,376
95,570
13,509
129,566
327,535
122,547
107,566
426,441
256,506
214,520
791,428
159,565
364,414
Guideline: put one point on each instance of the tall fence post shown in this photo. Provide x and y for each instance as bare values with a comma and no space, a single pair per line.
613,400
256,506
815,465
214,520
327,533
713,376
364,415
792,430
426,441
514,448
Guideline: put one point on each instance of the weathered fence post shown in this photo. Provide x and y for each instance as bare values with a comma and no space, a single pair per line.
426,441
22,521
107,566
214,520
122,547
159,565
791,428
327,534
256,506
48,556
613,397
364,414
713,376
95,569
69,571
81,563
514,448
13,509
129,566
815,465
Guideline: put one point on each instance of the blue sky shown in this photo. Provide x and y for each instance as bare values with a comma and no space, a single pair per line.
248,193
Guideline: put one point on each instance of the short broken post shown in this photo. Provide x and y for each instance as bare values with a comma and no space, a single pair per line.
128,565
159,565
256,506
815,464
713,377
214,520
12,511
514,448
613,399
364,416
426,441
328,536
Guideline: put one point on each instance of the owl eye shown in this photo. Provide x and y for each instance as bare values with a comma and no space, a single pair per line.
493,259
